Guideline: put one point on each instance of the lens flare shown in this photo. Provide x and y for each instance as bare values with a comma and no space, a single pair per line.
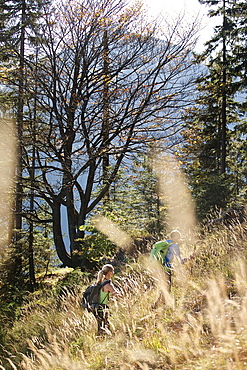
7,170
175,194
113,232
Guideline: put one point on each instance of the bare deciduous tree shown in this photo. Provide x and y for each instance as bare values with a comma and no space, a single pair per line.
107,85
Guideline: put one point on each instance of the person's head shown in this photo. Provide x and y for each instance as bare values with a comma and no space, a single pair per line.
175,236
106,272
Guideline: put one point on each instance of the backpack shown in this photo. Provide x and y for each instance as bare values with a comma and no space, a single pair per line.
160,250
91,296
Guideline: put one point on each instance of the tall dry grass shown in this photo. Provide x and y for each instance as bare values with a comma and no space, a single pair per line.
200,324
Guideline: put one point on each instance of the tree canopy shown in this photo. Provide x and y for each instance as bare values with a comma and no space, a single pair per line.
100,82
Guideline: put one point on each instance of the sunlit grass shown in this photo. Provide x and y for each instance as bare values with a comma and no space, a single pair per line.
200,324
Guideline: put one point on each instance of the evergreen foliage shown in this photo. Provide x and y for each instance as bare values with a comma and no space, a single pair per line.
215,129
134,202
18,25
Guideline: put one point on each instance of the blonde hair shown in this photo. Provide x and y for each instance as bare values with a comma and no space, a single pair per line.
103,272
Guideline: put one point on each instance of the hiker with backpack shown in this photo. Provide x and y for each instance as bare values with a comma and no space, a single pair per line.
166,251
96,296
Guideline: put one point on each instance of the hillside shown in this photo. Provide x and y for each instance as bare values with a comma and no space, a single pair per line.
201,324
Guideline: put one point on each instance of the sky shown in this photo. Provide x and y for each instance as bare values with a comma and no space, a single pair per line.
191,9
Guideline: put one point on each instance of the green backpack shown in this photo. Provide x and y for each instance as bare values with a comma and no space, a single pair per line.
160,250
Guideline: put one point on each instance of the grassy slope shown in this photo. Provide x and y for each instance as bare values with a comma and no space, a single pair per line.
202,324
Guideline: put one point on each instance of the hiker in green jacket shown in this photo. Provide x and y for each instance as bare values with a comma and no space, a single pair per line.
101,314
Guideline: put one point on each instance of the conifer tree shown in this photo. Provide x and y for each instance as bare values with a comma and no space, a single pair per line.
18,21
134,199
212,126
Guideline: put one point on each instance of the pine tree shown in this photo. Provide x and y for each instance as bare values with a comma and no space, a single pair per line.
18,21
134,200
212,127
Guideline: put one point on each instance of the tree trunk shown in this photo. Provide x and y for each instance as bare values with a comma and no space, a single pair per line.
63,255
105,123
223,112
31,228
19,189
